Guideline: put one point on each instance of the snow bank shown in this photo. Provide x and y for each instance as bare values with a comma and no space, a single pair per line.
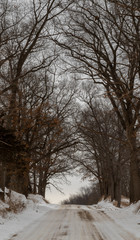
127,217
3,206
17,198
36,198
19,211
125,201
125,204
135,208
106,205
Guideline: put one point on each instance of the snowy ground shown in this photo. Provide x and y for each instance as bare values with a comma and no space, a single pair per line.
11,223
41,221
127,218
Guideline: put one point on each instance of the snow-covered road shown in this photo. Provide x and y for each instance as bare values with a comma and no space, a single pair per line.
73,222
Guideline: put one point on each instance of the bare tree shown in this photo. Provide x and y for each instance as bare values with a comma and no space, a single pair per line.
53,139
27,58
103,38
24,51
105,148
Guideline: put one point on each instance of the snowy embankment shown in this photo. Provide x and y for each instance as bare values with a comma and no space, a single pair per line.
19,212
103,219
127,217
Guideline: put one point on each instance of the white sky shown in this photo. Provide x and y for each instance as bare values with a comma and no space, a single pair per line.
76,183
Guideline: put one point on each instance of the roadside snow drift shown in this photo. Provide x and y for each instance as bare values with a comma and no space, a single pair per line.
18,212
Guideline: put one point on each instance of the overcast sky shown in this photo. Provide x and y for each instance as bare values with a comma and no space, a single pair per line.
76,183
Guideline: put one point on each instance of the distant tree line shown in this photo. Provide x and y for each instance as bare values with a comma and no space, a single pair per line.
86,196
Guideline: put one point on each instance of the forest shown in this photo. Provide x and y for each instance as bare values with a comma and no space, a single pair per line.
70,95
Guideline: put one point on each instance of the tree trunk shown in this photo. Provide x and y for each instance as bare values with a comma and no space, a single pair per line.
134,179
101,187
134,169
117,190
2,181
112,188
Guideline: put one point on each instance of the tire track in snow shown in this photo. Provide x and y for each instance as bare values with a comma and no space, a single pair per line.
109,229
